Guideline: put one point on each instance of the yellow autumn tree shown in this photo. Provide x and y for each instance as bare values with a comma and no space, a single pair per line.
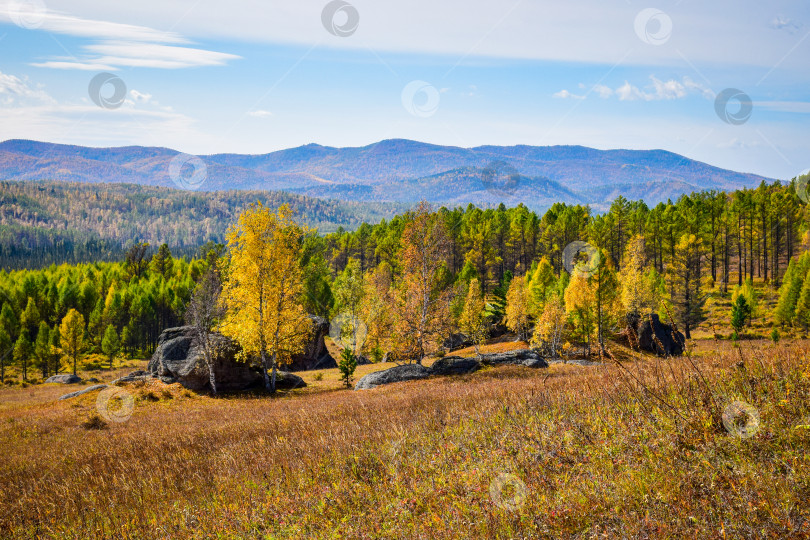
71,336
473,321
641,285
550,326
376,309
263,288
422,303
517,307
580,298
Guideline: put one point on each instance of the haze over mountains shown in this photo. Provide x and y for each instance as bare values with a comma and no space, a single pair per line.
396,170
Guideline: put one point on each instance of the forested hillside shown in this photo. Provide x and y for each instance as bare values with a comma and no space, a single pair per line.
54,222
422,276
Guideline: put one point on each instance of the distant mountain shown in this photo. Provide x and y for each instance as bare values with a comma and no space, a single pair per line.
397,171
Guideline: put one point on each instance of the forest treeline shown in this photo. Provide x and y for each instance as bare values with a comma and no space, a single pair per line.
404,286
55,222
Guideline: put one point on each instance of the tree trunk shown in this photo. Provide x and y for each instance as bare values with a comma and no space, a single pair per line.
265,367
273,379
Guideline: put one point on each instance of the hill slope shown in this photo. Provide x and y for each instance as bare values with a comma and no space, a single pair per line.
394,171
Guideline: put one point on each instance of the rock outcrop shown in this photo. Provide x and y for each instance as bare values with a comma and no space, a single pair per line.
84,391
64,378
519,357
454,365
405,372
315,356
648,333
179,358
451,365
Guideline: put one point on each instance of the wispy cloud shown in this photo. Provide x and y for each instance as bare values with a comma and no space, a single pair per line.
260,114
119,45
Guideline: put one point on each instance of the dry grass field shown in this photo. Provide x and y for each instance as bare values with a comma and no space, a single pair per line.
633,448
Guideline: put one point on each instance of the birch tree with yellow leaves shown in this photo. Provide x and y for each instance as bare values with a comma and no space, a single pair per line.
264,287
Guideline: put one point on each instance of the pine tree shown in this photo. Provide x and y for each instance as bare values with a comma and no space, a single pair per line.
111,343
686,289
347,365
23,350
42,348
6,352
740,313
29,320
541,285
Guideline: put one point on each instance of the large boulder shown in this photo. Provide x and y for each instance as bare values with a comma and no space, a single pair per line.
518,357
288,381
457,341
179,358
405,372
454,365
648,333
64,378
315,355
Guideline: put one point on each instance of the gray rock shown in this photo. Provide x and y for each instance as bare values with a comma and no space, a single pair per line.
84,391
454,365
139,375
520,357
649,334
288,381
405,372
315,355
178,358
64,378
457,341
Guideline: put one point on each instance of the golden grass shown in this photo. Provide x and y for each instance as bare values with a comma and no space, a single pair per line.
602,452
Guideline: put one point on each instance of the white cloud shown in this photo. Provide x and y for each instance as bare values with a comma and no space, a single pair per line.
16,91
140,97
657,90
780,22
260,114
118,45
565,94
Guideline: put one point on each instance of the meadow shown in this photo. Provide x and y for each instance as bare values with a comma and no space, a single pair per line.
636,447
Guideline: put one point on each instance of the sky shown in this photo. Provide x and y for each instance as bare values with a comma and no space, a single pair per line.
724,82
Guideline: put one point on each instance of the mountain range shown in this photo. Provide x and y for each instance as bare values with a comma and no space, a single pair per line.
395,170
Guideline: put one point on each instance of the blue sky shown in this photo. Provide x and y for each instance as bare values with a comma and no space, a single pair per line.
204,76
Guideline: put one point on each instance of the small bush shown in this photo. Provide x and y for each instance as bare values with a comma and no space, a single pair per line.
318,376
148,395
166,394
94,421
775,335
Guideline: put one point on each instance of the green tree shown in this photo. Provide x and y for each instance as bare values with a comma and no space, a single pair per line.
23,350
110,343
686,289
162,261
347,365
6,352
29,320
42,349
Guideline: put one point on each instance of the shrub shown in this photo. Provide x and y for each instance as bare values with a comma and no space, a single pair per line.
318,376
347,365
94,421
